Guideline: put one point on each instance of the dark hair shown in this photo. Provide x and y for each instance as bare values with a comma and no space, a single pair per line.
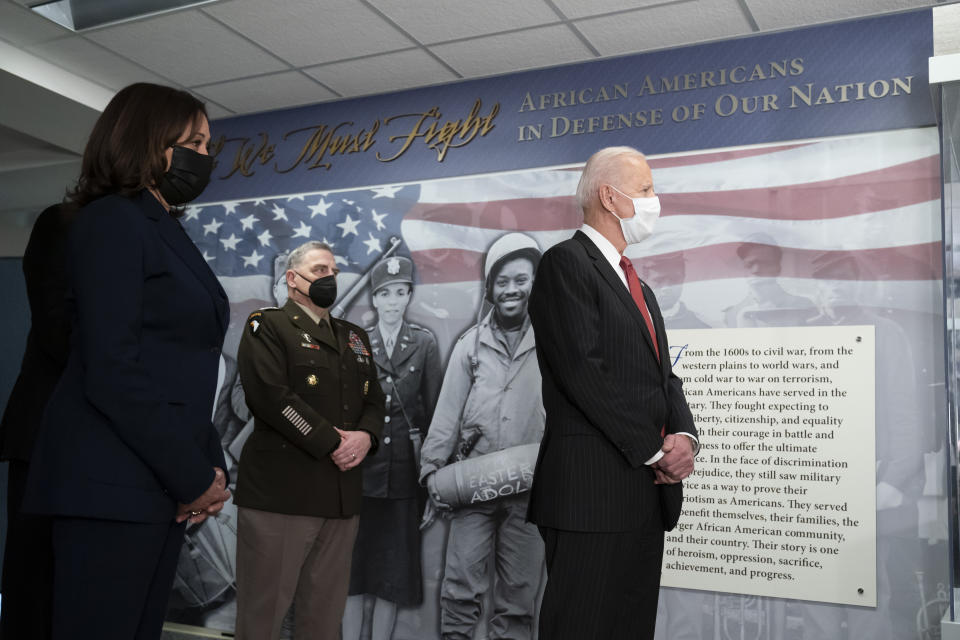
125,152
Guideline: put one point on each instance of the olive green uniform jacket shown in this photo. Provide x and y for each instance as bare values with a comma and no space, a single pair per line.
300,382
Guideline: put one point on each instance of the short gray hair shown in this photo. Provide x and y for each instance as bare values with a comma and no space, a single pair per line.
600,168
297,255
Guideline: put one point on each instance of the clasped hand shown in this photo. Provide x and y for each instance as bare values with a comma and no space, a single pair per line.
208,504
354,446
677,461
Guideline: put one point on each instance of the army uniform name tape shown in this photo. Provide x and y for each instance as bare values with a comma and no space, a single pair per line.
297,420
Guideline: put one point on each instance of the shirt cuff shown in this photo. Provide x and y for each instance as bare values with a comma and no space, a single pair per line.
656,456
659,454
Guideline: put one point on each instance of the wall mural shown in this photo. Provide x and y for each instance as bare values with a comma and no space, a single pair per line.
821,232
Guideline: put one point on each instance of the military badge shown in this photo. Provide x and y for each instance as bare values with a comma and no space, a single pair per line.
393,266
357,346
310,345
254,322
312,380
366,386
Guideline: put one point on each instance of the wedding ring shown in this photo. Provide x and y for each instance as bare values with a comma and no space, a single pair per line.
195,513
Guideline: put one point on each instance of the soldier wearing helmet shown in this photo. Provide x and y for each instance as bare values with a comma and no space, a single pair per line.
491,401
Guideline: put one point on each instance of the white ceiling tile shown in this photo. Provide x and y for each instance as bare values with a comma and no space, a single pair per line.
274,91
665,26
379,74
20,26
307,32
188,47
775,14
584,8
529,49
431,21
214,111
84,58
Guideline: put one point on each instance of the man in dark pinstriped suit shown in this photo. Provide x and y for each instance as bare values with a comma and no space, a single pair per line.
619,435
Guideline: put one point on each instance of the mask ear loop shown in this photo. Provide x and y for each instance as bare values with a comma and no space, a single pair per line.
297,289
611,211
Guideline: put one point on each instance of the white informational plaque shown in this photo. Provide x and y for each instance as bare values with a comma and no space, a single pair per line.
782,502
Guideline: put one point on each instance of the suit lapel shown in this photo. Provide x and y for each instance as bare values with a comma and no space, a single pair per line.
616,284
306,324
658,325
181,244
341,334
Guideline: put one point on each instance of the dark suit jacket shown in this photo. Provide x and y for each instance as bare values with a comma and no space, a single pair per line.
45,271
605,394
301,381
127,432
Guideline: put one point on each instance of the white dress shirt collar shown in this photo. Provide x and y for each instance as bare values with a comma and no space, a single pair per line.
607,249
389,337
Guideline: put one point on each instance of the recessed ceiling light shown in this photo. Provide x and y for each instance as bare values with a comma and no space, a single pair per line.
79,15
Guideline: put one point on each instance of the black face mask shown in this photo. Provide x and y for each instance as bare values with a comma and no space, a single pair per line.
187,177
323,291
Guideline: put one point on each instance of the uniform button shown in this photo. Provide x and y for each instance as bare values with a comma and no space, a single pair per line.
388,397
386,419
389,379
386,440
412,368
346,407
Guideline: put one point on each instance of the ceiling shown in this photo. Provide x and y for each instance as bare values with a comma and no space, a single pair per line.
244,56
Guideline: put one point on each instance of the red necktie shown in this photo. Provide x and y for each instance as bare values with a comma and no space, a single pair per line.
636,292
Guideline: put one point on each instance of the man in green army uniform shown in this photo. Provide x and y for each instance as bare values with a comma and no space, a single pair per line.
311,385
386,558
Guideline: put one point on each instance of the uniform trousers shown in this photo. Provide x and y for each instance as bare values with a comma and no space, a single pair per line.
112,579
500,526
290,559
600,586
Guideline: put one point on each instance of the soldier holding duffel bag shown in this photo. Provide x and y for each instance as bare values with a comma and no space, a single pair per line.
489,405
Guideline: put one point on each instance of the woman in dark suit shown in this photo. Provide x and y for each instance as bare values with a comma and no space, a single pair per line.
127,451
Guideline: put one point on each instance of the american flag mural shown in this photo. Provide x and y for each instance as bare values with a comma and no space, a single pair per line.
877,195
872,200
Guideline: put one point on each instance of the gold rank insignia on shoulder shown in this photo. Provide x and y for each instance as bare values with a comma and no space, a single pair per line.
312,380
366,386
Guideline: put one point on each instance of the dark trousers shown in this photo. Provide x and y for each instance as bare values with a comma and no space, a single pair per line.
112,579
600,586
27,566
